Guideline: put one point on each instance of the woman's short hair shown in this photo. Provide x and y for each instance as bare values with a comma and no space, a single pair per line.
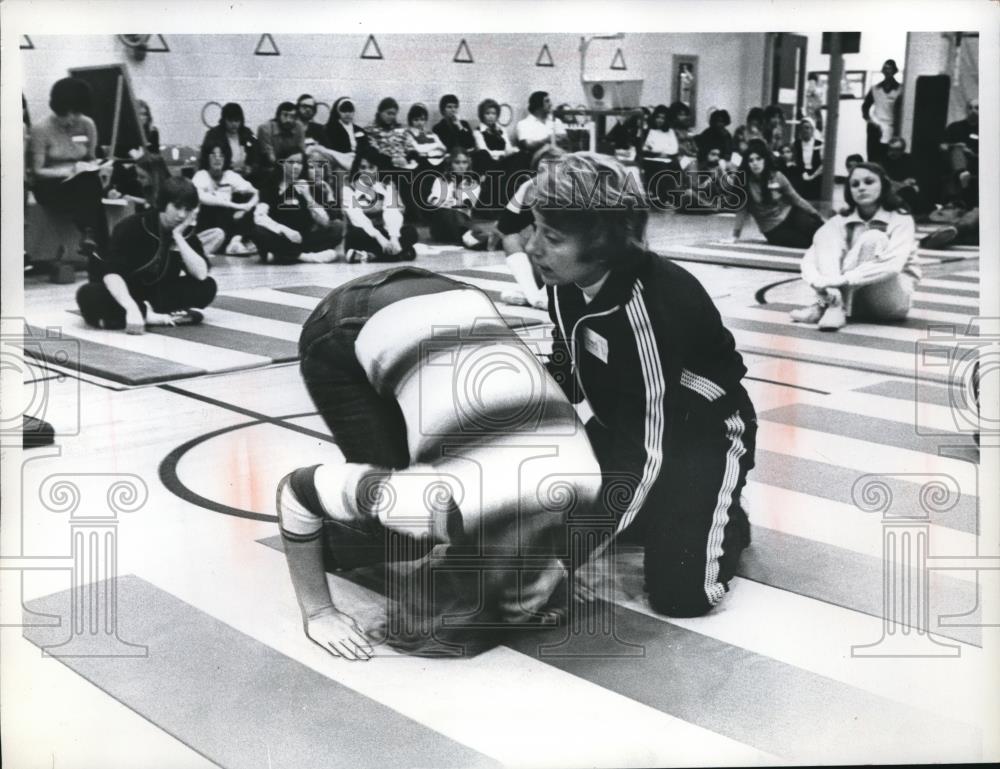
417,111
660,109
594,194
232,111
719,117
487,104
755,115
70,94
675,110
386,104
446,101
887,199
365,153
537,100
177,190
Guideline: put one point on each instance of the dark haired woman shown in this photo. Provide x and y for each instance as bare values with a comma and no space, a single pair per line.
808,152
863,261
495,157
239,145
717,135
752,129
227,202
661,156
451,201
64,168
451,129
673,427
294,221
342,135
783,216
149,129
155,272
375,228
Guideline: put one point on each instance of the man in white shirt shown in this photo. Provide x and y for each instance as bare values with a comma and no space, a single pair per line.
539,127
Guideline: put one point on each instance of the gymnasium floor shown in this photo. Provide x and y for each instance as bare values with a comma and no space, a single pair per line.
228,678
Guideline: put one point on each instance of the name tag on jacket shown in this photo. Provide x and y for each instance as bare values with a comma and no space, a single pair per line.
595,344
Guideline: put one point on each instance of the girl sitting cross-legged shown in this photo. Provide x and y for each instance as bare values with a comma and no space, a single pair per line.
452,199
375,228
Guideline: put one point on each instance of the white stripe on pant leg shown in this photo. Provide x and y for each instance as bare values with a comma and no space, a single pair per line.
714,590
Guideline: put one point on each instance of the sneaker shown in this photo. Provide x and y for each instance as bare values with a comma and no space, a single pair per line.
356,255
318,257
940,238
833,318
236,247
810,314
187,317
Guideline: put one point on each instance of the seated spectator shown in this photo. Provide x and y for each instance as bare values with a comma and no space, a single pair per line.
227,203
626,137
815,101
539,127
151,131
902,175
305,111
280,137
342,135
139,181
783,216
787,163
66,176
752,129
679,119
428,149
708,184
774,128
863,262
853,161
577,128
961,147
808,151
717,135
290,224
388,138
661,156
451,129
154,272
375,228
495,157
451,201
240,146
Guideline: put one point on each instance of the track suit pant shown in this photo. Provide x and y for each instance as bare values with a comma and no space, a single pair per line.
358,239
319,238
99,308
692,526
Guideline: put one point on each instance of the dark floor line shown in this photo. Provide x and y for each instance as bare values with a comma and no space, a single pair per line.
761,296
787,384
276,421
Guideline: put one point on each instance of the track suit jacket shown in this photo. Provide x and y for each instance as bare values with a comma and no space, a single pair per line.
673,428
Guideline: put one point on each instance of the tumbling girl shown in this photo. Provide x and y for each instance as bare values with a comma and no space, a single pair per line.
375,228
452,200
863,262
782,215
460,488
226,204
290,223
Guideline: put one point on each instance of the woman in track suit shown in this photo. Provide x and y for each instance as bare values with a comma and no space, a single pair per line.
640,338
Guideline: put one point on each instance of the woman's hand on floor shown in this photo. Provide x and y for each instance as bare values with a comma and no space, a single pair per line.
339,634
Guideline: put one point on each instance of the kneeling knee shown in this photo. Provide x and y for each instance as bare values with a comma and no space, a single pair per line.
679,602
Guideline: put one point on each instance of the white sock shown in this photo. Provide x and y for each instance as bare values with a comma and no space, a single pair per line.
470,240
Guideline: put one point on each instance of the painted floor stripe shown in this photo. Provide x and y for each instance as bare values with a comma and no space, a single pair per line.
917,318
841,525
956,254
725,251
863,402
755,616
193,354
870,428
904,331
269,310
276,329
277,710
610,731
969,309
938,286
908,392
483,272
273,296
938,296
827,481
810,334
223,338
856,454
107,362
853,581
681,667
